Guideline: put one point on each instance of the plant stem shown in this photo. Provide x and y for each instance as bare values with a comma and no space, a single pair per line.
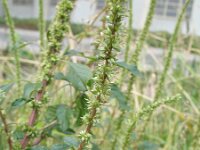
11,26
55,36
9,140
41,25
42,136
145,112
130,31
167,60
172,44
118,127
103,73
140,43
128,40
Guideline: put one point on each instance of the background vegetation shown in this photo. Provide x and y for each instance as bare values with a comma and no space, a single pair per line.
107,98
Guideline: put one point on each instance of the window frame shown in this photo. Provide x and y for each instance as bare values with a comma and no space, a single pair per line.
23,2
164,12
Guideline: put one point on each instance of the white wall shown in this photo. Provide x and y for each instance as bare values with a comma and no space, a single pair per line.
85,10
140,10
195,20
161,24
21,11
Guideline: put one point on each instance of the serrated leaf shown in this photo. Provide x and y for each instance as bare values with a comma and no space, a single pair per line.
119,96
78,75
29,88
130,67
70,141
63,115
6,87
20,102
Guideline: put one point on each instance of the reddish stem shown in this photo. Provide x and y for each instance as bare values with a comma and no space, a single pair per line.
34,113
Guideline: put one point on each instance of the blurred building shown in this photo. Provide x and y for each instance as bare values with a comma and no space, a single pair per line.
165,17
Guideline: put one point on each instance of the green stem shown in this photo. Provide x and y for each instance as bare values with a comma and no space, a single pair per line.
108,46
128,40
130,31
55,36
117,130
6,129
11,26
172,44
41,24
140,42
145,113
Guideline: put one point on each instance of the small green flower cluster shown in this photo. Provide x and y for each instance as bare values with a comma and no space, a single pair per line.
108,47
11,26
145,113
41,25
55,36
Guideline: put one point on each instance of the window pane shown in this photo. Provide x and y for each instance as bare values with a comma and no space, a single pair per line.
100,4
171,14
171,8
160,8
23,2
159,12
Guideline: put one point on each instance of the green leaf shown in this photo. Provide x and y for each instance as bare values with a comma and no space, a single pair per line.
77,53
21,45
29,88
95,146
18,134
39,148
20,102
130,67
60,76
50,114
6,87
59,147
70,141
63,115
69,131
74,53
78,75
148,145
81,107
119,96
